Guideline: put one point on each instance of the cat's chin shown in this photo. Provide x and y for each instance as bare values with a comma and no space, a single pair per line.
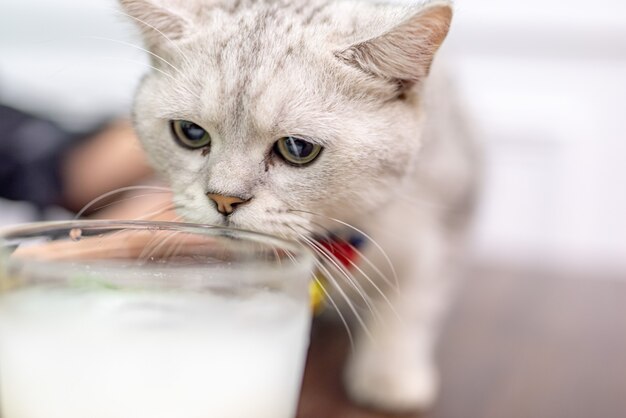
278,223
230,223
263,229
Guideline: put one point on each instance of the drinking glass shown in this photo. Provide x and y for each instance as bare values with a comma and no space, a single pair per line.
132,319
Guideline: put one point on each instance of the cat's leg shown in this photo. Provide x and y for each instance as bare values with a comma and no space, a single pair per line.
394,368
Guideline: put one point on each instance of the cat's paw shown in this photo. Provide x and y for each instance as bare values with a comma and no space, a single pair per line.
391,386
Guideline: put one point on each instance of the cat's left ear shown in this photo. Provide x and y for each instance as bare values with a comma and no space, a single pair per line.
404,53
159,24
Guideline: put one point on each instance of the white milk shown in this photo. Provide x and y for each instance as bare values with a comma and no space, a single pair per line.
70,353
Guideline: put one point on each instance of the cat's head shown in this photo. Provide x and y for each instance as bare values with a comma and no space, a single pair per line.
259,112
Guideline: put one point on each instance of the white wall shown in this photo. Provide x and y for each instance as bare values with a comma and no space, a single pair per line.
53,58
546,81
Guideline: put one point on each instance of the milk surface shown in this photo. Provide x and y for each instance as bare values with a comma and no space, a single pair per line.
76,353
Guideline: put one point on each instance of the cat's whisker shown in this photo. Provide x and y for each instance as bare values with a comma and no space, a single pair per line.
328,297
146,24
360,255
177,82
175,247
157,189
336,286
122,200
365,275
150,250
164,209
344,296
339,267
149,244
278,258
350,279
170,207
156,210
370,239
102,38
332,302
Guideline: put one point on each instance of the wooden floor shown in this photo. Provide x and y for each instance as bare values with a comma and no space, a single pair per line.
518,344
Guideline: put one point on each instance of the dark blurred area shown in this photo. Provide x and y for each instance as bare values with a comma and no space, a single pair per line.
47,166
31,155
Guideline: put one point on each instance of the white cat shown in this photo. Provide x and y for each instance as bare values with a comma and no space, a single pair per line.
297,118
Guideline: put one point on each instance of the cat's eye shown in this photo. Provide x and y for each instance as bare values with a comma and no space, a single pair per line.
189,134
297,151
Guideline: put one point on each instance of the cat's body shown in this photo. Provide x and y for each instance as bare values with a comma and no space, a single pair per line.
349,77
421,228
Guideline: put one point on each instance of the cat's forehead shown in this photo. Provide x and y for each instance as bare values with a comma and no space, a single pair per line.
304,12
255,63
264,31
262,63
253,24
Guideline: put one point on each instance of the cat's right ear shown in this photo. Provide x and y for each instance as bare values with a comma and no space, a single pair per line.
405,52
159,24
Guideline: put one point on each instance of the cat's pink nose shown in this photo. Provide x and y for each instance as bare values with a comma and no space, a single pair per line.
225,204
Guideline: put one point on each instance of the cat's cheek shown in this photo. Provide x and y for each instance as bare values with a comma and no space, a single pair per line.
268,213
295,186
191,214
192,204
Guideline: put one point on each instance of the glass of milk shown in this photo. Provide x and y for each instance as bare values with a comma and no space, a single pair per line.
103,319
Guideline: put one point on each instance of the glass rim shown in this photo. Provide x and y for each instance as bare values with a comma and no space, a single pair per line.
34,228
301,256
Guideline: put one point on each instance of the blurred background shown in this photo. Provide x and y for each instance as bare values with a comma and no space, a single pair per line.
544,82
